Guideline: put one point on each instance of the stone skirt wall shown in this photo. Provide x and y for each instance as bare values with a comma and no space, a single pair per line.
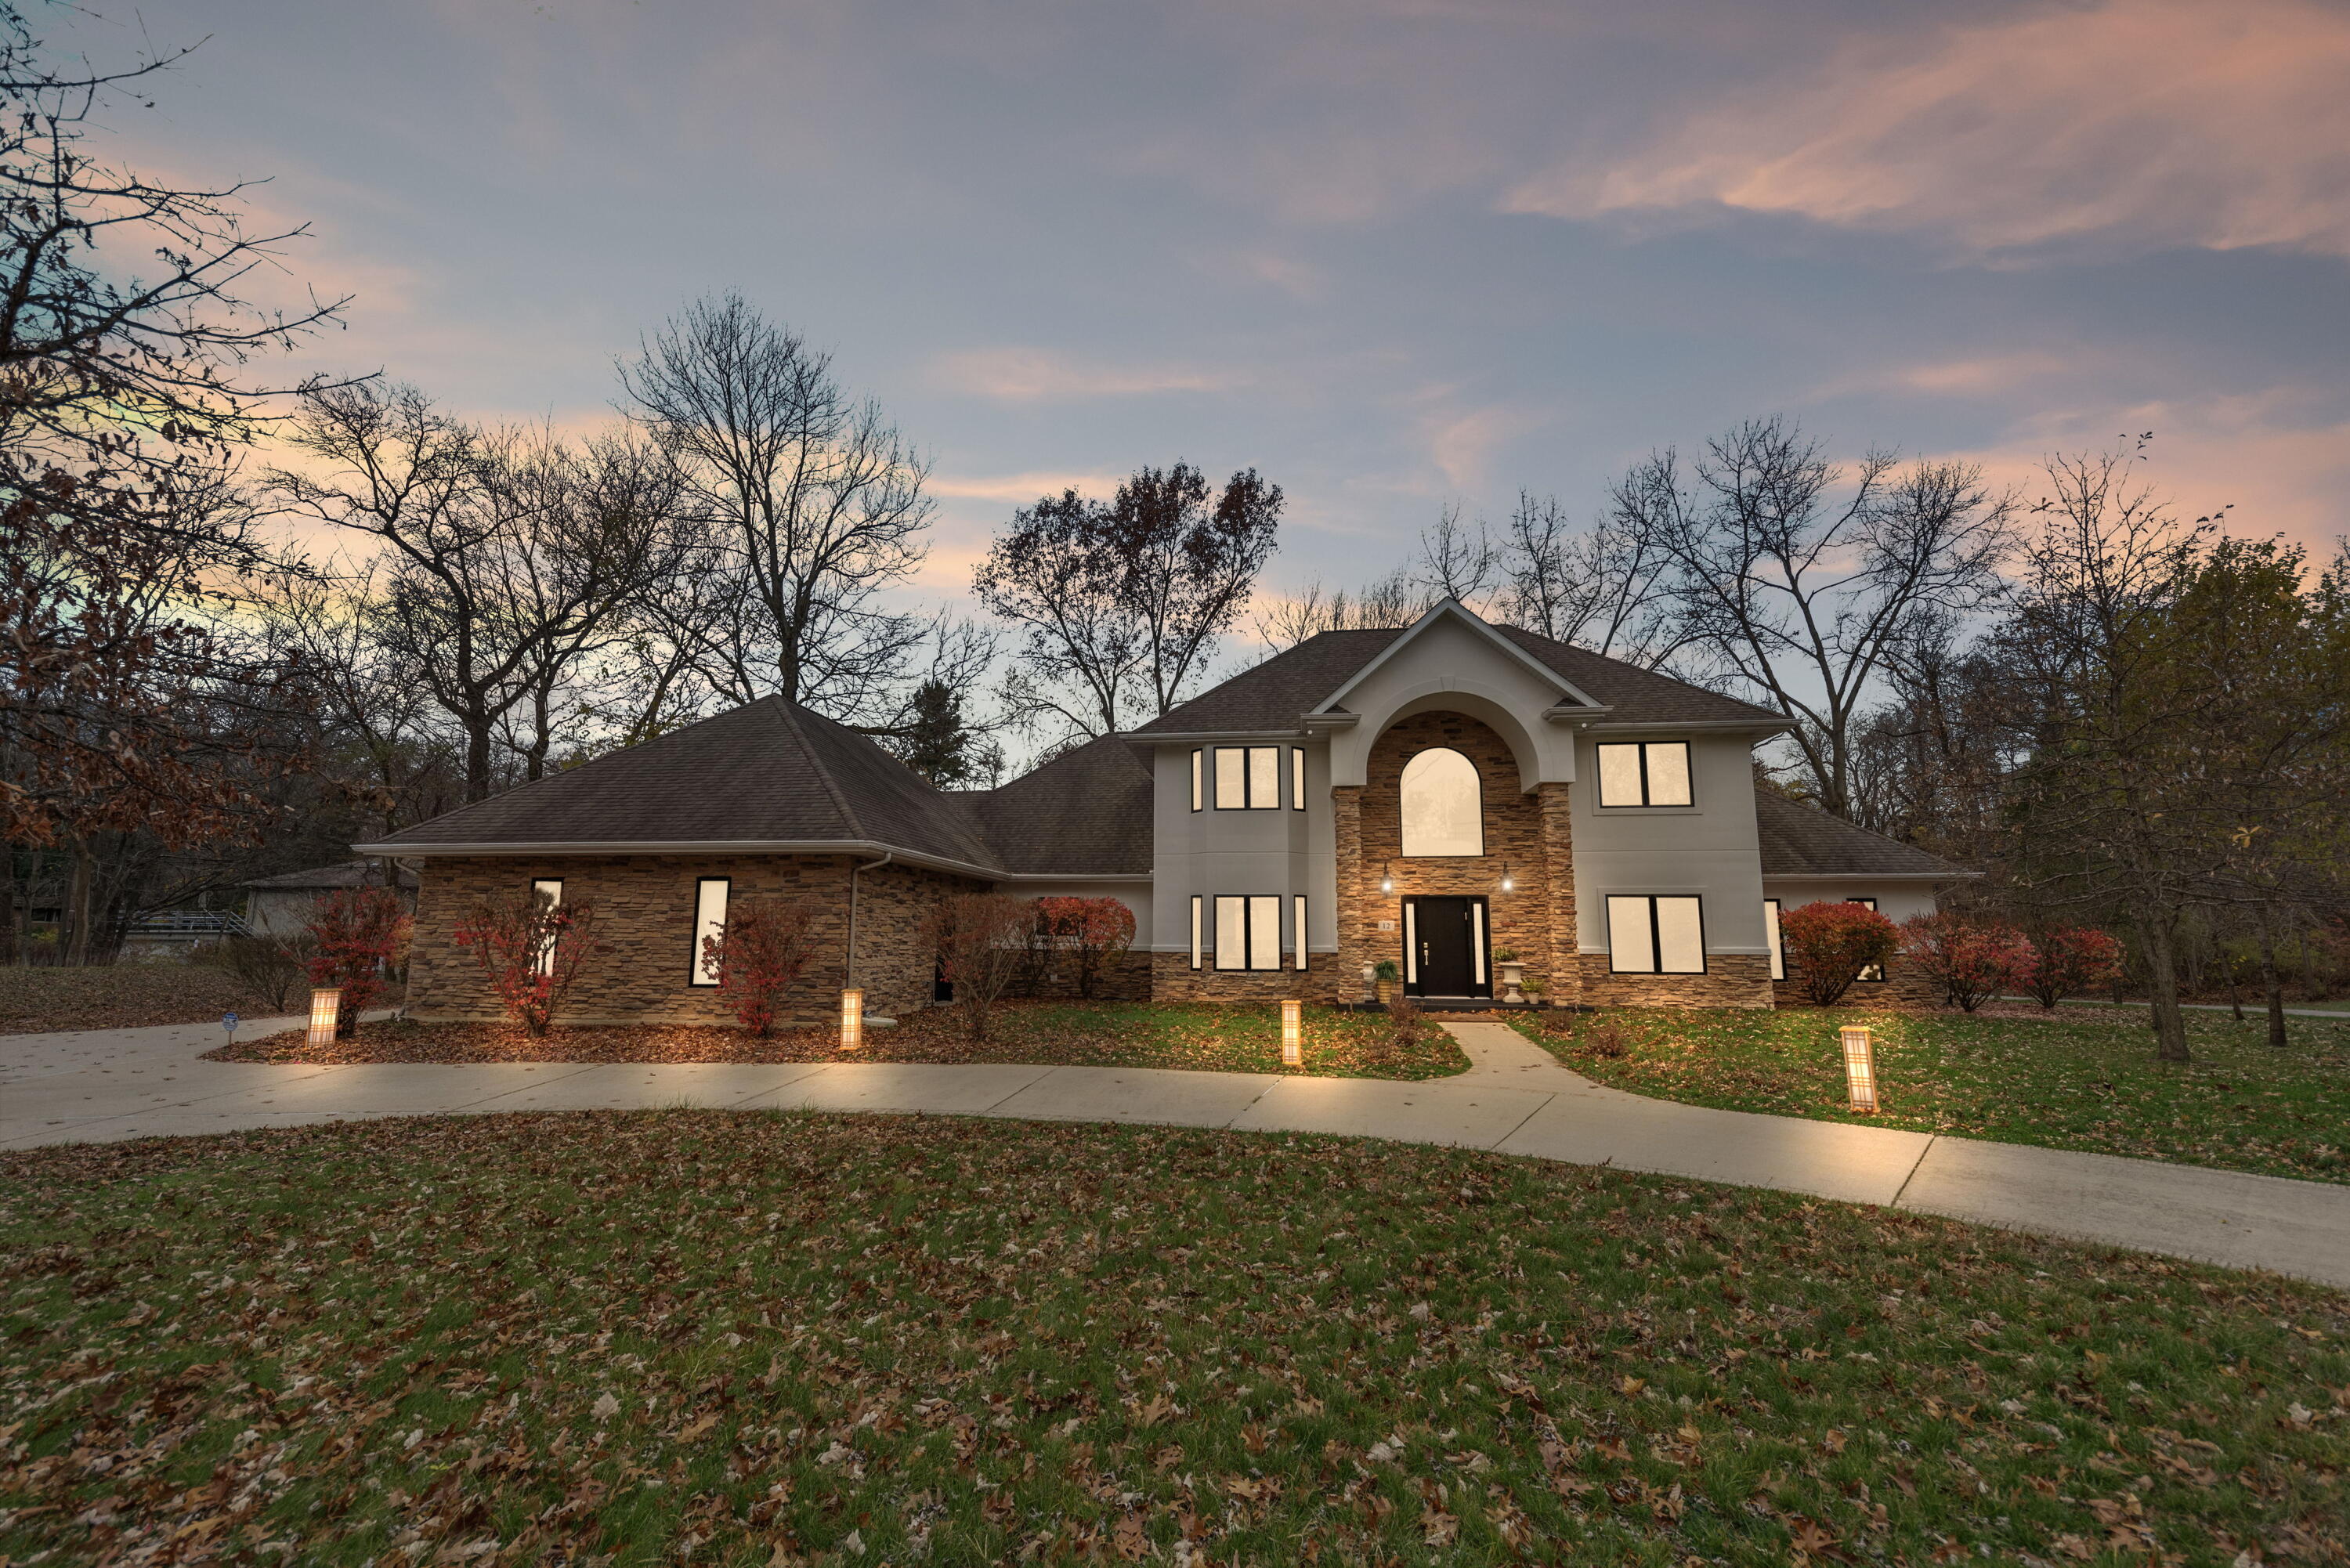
644,932
1903,990
1172,978
1731,979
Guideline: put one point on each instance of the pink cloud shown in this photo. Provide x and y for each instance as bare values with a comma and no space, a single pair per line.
2133,123
1039,375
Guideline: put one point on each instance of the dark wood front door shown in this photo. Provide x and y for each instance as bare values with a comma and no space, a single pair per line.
1447,943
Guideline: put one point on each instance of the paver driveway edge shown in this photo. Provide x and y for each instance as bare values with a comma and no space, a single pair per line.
1515,1099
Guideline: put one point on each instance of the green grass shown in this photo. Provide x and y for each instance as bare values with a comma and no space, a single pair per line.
768,1339
2084,1079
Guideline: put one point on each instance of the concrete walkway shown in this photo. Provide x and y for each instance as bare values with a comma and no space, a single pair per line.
1516,1098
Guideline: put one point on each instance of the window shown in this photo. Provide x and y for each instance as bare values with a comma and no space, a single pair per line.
1875,970
1771,930
553,887
1297,778
1248,778
1195,923
1199,782
709,920
1248,932
1298,905
1444,807
1649,773
1649,935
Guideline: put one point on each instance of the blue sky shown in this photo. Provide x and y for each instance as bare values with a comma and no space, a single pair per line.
1391,255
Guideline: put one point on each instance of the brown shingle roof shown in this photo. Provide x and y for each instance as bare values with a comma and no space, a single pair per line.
1799,840
1087,811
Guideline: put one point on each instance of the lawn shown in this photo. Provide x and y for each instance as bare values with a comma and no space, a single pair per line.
763,1339
113,996
1200,1036
2082,1079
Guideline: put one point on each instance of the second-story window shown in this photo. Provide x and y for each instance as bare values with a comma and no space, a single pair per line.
1248,778
1645,772
1441,805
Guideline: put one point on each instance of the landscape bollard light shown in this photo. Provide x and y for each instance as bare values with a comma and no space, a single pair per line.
325,1004
852,1020
1859,1068
1293,1044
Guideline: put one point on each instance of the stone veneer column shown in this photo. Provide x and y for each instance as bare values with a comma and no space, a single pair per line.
1558,873
1346,861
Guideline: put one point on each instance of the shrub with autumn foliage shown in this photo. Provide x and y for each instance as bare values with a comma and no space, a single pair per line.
1828,946
2060,960
355,936
532,949
1096,932
981,939
758,953
1974,959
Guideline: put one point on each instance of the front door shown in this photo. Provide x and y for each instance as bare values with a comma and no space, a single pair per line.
1444,946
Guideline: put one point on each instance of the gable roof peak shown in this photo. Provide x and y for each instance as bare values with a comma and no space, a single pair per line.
1451,608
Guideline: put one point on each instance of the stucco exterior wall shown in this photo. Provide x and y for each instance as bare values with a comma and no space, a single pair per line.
1210,851
1708,849
645,934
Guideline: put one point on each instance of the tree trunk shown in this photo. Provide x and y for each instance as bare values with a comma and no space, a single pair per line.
2271,986
2162,987
10,947
76,909
477,760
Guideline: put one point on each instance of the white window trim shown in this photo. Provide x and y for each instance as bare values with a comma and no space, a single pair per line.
1599,774
1655,936
698,973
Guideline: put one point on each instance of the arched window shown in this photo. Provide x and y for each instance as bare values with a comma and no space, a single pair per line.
1443,809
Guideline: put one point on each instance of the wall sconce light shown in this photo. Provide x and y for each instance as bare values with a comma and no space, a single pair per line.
1509,883
326,1007
1387,877
852,1020
1859,1068
1293,1044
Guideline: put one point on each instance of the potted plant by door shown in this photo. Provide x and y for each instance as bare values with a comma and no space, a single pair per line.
1513,973
1384,976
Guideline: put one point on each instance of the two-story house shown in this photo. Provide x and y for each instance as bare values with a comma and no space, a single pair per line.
1432,796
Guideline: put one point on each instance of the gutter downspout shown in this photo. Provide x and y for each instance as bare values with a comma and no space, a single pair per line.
848,980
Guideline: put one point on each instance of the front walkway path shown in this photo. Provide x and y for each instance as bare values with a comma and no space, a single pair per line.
1516,1098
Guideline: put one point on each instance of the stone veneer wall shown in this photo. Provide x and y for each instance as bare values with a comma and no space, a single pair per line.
1731,979
1904,988
1172,978
644,920
1128,980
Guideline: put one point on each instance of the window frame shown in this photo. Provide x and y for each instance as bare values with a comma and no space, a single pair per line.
547,954
694,961
1199,780
1297,778
1599,777
1656,934
1196,920
1271,781
1244,795
1771,935
1474,774
1248,942
1864,977
1297,906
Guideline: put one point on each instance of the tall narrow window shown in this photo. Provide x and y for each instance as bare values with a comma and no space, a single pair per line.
1199,780
1298,903
1875,970
1655,935
1264,778
1195,924
710,897
1771,930
1297,778
1442,806
1265,931
1411,941
1647,773
553,887
1232,932
1232,778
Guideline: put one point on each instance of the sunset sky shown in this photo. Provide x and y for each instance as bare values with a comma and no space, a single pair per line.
1392,255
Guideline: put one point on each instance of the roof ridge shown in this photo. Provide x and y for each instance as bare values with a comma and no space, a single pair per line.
789,713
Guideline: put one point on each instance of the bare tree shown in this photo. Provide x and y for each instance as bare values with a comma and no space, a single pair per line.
1796,581
816,500
1456,560
1395,600
1604,588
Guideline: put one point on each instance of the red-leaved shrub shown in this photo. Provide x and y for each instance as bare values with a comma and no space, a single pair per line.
1096,932
531,948
355,935
759,951
2060,960
1974,959
1828,945
981,939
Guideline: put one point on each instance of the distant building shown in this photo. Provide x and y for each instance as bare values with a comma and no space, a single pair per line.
280,905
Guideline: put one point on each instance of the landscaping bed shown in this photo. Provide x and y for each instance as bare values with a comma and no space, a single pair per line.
2079,1079
1234,1039
38,1001
760,1339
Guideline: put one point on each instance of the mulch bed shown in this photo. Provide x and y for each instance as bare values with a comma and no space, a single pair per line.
1220,1039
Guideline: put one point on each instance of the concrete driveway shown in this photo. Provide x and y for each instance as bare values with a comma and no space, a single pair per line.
107,1084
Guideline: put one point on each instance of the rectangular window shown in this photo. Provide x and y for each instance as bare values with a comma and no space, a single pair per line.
1232,778
1410,942
1298,780
1655,935
1199,782
709,920
1771,930
1299,905
553,887
1264,778
1646,773
1195,925
1875,970
1248,930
